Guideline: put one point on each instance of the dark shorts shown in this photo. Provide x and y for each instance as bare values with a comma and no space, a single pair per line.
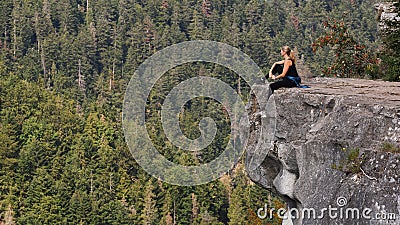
285,82
282,83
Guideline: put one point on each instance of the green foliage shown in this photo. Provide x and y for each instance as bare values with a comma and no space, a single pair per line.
351,58
390,67
64,67
352,162
388,147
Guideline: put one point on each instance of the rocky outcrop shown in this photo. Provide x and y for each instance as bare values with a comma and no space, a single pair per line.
386,12
333,147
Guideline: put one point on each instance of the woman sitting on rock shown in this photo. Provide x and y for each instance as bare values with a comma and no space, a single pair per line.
286,70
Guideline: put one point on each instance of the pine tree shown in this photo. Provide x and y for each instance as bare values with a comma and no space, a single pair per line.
149,214
167,210
66,16
196,28
236,207
8,216
6,10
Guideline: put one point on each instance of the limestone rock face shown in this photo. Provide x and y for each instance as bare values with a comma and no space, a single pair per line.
303,147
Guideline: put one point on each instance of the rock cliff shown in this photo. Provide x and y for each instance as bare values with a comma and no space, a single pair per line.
333,153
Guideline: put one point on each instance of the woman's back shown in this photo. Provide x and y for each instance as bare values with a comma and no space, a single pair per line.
292,71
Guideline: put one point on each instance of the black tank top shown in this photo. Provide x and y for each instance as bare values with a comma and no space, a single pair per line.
292,72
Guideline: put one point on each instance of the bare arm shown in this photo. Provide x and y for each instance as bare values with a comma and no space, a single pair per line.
286,65
279,62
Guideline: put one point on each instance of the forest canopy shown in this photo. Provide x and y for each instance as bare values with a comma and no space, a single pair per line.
64,68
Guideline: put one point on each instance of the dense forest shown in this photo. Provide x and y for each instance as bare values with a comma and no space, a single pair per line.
64,68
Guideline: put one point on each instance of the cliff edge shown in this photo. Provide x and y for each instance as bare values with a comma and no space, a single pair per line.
333,153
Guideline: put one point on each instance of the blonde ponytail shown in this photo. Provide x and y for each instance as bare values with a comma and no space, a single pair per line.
290,53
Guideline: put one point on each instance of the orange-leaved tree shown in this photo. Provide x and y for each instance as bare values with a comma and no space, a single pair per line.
352,59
